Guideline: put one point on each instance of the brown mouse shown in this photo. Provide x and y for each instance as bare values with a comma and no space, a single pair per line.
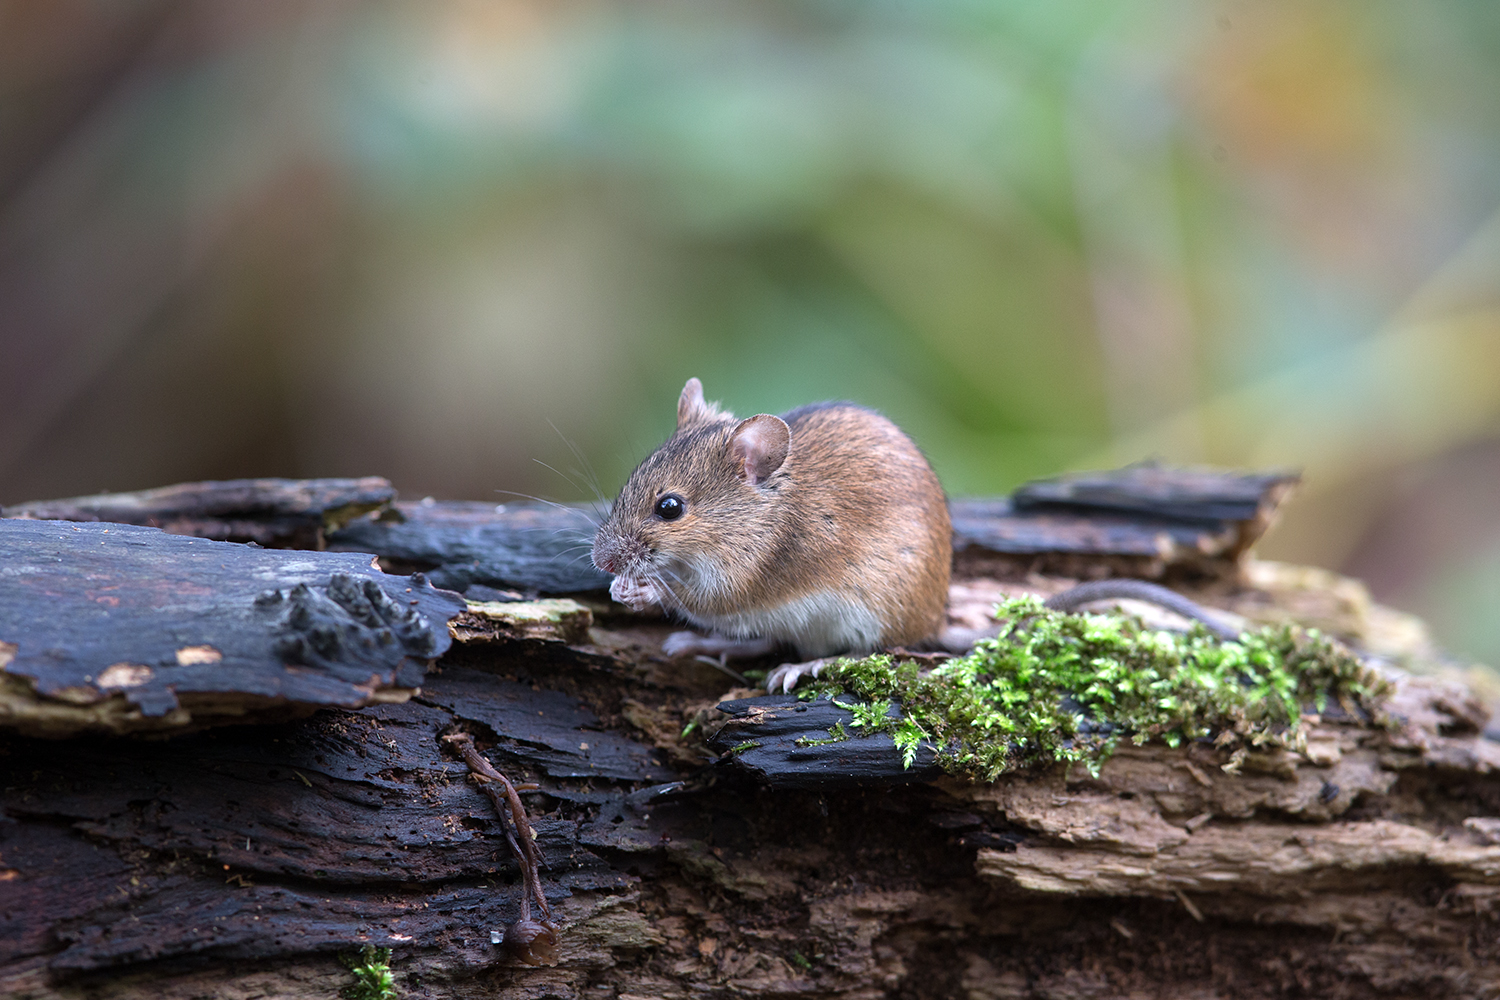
823,530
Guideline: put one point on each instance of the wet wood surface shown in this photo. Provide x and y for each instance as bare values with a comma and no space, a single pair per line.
523,547
120,628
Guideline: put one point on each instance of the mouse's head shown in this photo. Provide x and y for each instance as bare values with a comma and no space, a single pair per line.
677,533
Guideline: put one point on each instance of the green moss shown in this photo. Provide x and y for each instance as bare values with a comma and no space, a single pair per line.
1068,687
871,715
836,734
372,975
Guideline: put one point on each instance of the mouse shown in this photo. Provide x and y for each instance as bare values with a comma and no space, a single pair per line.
823,530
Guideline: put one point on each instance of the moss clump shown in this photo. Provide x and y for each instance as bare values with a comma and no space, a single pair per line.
372,975
1069,687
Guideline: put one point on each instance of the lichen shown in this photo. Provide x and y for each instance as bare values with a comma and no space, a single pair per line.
1069,687
558,619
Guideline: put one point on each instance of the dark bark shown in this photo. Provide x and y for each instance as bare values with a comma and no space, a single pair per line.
276,513
127,629
140,868
1162,491
522,548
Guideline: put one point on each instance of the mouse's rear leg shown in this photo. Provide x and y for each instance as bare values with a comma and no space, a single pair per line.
693,644
787,675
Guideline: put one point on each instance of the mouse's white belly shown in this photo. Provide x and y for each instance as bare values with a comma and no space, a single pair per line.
819,624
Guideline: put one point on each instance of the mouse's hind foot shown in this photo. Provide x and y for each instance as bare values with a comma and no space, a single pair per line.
693,644
786,676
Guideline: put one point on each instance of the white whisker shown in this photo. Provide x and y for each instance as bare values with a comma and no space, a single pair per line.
669,597
588,470
561,474
584,537
553,503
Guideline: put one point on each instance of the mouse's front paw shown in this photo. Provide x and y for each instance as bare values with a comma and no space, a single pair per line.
786,676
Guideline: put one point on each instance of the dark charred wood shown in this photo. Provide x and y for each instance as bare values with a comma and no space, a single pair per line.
1144,521
997,526
1153,490
276,513
134,868
122,628
780,741
532,547
261,844
540,729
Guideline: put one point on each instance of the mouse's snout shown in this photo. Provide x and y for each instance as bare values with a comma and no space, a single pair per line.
606,555
635,584
614,553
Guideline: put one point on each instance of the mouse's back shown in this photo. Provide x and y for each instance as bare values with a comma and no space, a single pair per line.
870,518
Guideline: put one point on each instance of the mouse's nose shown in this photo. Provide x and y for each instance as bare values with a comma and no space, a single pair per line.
605,557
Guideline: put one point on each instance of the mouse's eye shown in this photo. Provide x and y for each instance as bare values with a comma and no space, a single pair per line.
670,507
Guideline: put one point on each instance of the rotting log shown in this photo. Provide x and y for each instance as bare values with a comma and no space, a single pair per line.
119,628
506,549
1144,521
278,513
1366,865
242,860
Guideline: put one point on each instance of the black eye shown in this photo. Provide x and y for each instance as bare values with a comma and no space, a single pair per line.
670,507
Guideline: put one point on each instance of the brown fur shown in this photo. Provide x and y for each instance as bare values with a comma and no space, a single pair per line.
854,509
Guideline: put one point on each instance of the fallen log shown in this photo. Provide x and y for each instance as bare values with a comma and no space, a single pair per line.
1144,521
247,859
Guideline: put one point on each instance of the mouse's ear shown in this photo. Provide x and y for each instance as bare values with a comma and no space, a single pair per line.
758,447
691,409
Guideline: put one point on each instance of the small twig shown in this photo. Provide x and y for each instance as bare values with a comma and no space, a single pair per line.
523,839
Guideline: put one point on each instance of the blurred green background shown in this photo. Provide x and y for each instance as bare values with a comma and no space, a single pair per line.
433,240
